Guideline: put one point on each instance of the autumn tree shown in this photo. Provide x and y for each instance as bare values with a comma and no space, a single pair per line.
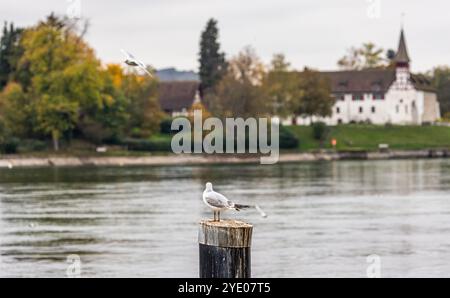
67,84
281,86
16,110
314,95
364,57
440,77
240,93
212,60
145,114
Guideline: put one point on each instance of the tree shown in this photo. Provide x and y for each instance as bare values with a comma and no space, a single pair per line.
440,77
314,95
212,61
56,115
143,107
106,122
67,82
281,86
10,52
15,110
240,92
367,56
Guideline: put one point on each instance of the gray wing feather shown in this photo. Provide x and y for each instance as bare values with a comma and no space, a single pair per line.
217,200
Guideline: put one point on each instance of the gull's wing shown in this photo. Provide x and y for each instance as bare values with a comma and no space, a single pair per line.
128,55
145,69
217,200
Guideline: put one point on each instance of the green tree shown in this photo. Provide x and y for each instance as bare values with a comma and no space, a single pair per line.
10,52
56,115
314,95
212,61
364,57
440,77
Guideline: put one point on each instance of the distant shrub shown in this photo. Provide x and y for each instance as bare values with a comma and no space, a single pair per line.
320,131
166,125
162,145
288,140
31,145
9,146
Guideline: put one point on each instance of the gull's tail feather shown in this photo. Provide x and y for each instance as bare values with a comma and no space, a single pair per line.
239,207
261,212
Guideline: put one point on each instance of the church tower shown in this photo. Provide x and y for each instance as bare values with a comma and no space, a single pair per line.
402,63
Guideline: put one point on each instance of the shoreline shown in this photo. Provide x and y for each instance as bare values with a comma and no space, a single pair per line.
183,160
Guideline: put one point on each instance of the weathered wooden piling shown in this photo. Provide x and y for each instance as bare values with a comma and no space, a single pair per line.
225,249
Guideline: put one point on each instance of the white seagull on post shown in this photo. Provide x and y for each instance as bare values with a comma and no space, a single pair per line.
218,202
132,61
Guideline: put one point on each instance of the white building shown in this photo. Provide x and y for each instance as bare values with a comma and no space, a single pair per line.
380,96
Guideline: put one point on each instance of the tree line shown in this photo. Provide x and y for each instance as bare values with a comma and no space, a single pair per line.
244,86
52,86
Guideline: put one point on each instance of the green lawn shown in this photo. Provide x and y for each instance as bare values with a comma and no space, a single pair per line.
368,137
349,138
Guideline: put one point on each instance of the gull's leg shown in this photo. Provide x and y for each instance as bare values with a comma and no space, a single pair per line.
214,215
218,215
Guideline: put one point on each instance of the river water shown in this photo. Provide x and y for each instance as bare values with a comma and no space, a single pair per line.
325,219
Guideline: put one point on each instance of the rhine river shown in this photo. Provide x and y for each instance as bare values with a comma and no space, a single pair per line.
325,218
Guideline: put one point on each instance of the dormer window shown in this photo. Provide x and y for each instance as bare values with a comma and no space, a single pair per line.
378,96
359,96
340,97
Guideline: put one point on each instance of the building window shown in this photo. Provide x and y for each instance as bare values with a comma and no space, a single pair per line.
361,110
338,110
378,96
358,97
340,97
374,110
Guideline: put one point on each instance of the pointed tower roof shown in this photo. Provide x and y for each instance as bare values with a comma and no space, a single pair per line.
402,56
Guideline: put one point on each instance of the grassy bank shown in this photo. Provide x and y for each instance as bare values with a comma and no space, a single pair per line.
368,137
349,138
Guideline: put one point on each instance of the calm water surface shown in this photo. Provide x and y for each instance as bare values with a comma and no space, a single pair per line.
324,218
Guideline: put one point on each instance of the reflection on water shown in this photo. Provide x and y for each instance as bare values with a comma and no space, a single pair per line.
324,218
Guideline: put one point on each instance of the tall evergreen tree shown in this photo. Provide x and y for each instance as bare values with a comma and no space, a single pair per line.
10,52
212,61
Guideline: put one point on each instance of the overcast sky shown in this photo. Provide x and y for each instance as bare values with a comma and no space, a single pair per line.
312,33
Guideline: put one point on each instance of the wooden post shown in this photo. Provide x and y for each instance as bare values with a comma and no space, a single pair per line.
225,249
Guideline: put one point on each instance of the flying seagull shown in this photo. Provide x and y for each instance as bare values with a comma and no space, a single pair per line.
132,61
218,202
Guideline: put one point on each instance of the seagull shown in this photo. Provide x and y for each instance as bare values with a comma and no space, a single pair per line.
10,165
218,202
132,61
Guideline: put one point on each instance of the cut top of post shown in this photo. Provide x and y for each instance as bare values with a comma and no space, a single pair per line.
225,233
